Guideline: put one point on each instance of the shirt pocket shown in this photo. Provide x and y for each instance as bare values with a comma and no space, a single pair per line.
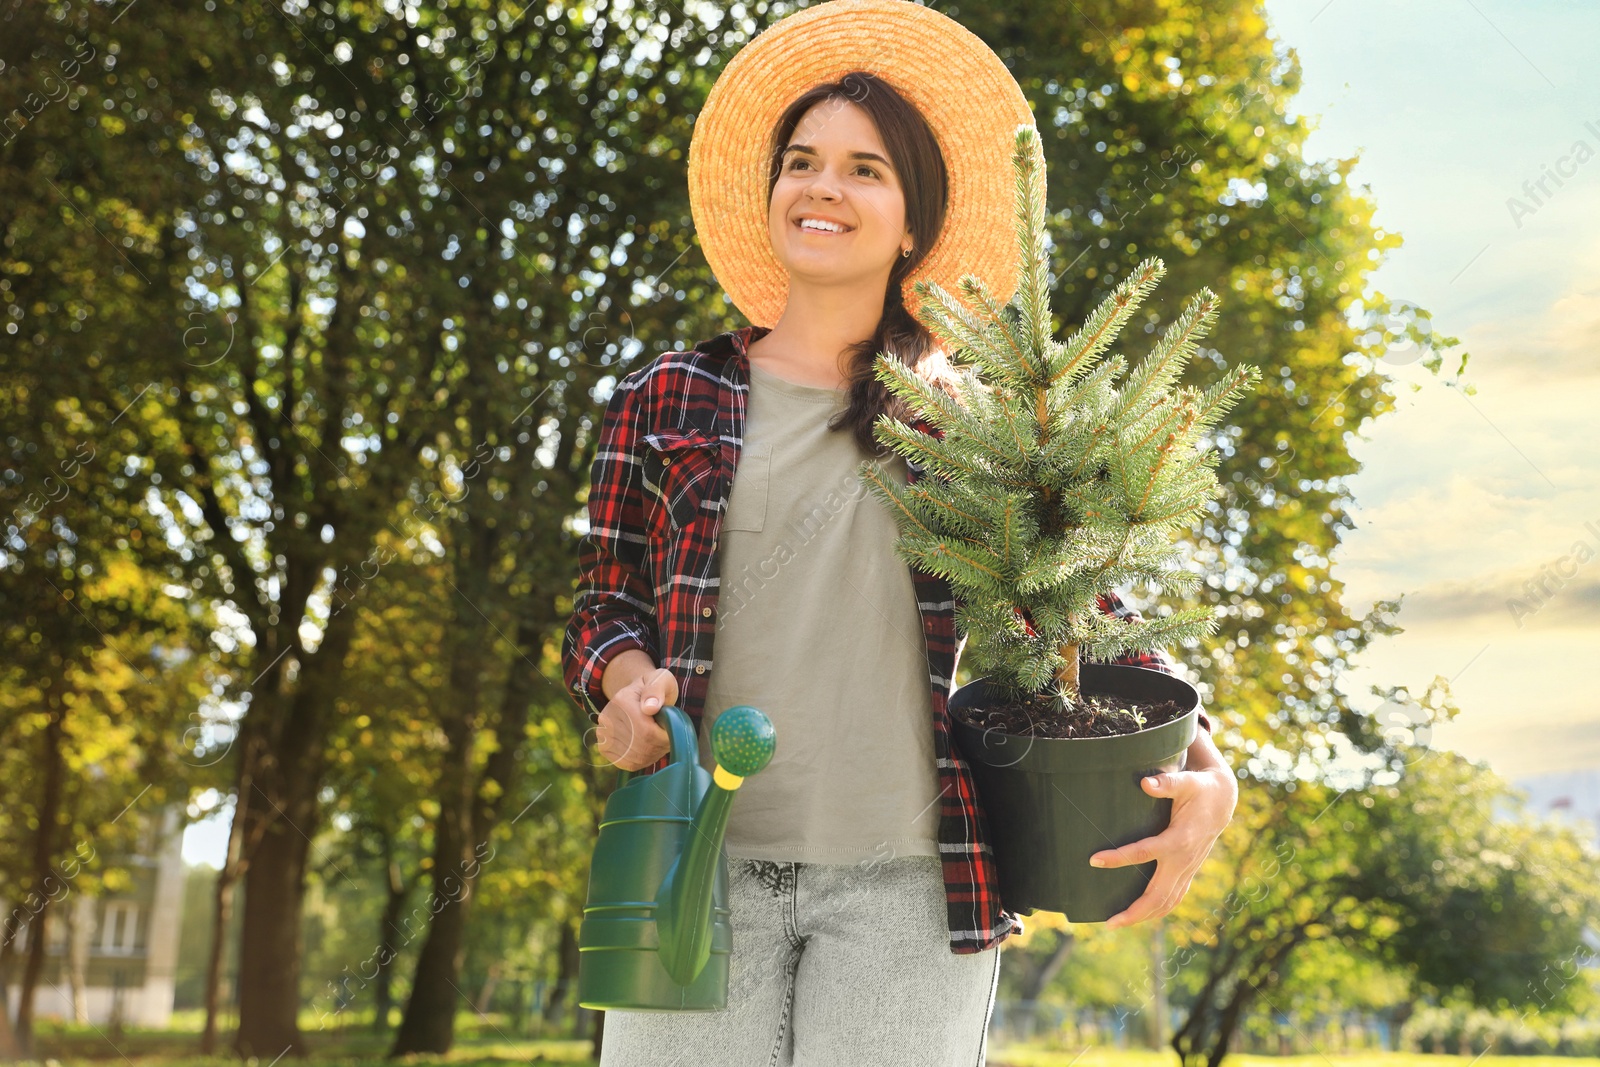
681,470
747,500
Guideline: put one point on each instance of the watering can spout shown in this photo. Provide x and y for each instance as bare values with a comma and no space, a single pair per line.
742,742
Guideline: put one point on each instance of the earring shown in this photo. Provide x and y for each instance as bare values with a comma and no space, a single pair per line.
905,252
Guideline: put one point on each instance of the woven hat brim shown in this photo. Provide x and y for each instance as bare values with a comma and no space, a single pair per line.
960,86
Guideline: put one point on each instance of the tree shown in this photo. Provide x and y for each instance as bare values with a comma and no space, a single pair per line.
1058,481
1421,875
277,237
291,398
102,671
238,317
383,762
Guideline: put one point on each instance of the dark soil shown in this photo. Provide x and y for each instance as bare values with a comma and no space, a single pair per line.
1097,715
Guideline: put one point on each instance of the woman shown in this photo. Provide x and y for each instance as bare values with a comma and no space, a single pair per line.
855,943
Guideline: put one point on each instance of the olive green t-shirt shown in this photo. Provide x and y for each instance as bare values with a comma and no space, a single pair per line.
818,627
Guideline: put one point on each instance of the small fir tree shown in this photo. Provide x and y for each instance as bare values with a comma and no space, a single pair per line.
1054,478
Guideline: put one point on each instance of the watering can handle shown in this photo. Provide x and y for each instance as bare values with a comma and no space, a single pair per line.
680,734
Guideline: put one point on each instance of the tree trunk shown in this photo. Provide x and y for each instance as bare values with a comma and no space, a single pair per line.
1189,1040
429,1021
213,968
33,967
388,939
1067,676
566,976
1257,978
80,925
1157,1033
286,762
8,1038
1051,967
269,946
222,912
1397,1021
491,981
1228,1023
466,822
44,844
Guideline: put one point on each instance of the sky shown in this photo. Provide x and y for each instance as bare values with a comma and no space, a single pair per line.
1456,111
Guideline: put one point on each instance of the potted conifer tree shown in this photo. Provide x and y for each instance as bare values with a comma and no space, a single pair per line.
1055,478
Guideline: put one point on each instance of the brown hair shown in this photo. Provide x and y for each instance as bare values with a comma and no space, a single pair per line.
914,153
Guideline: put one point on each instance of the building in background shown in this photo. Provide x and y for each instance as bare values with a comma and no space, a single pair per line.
1572,797
112,959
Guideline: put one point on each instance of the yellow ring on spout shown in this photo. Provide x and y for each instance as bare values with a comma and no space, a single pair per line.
725,778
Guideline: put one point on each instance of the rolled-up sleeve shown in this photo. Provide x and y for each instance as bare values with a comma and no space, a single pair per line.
614,604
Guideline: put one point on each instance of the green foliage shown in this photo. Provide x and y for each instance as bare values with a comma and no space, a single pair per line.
1438,878
1053,479
1458,1029
324,286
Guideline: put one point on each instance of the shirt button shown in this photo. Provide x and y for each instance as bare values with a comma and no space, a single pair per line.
706,612
699,668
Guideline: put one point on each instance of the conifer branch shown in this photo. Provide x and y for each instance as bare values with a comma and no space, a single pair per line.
1065,473
1005,327
1108,319
1177,344
953,322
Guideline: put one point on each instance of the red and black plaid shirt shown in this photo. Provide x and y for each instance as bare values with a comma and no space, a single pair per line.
648,579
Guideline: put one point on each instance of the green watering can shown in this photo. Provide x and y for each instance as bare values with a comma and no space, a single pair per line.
655,934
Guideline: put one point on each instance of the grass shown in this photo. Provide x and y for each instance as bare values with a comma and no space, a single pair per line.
1021,1056
482,1043
479,1043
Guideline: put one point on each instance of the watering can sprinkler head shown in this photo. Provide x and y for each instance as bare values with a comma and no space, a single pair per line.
742,741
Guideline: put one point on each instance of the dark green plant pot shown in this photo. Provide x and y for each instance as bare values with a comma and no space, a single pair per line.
1051,803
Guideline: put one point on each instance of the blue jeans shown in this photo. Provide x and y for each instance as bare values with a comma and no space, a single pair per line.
833,965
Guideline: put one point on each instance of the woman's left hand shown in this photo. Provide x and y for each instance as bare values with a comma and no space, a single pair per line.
1203,800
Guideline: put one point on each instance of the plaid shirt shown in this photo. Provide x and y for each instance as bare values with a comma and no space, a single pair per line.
669,446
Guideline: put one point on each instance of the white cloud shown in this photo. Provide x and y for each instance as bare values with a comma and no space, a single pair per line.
1462,500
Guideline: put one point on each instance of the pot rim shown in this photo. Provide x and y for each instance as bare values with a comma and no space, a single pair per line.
1058,754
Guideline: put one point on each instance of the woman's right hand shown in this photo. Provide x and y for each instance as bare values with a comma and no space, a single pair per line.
627,733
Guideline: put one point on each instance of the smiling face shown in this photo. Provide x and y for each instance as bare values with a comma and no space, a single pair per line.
836,171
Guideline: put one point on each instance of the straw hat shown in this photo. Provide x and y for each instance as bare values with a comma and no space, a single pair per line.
961,88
